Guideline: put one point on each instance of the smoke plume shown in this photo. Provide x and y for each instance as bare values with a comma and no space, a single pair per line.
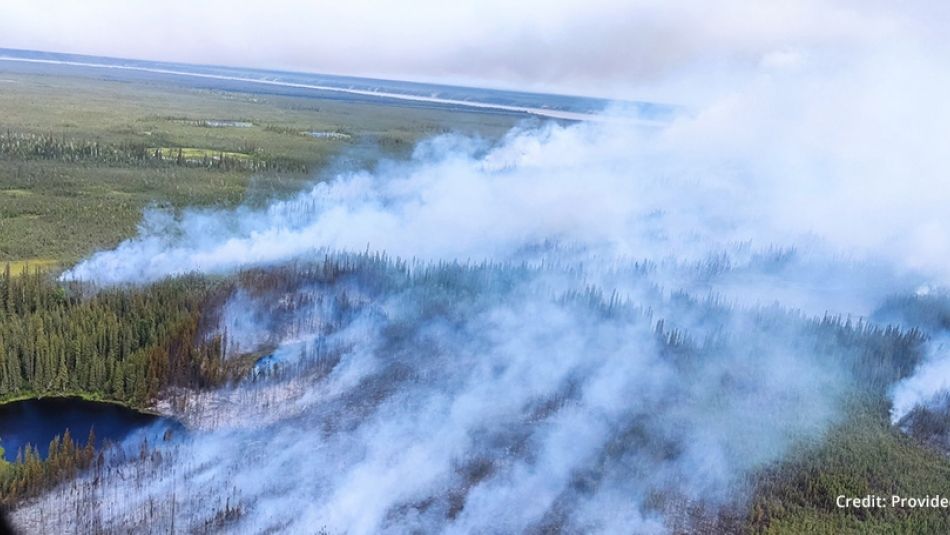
596,327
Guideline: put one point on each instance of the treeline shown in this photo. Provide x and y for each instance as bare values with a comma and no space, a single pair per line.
27,146
127,344
118,344
30,474
876,355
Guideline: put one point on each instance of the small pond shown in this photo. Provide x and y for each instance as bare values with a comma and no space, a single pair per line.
37,421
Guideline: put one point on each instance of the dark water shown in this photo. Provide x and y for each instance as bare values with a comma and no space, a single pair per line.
37,421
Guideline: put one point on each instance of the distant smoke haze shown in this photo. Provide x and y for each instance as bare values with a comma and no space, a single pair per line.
612,48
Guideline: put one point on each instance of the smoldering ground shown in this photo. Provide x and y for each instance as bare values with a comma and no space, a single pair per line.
487,397
592,327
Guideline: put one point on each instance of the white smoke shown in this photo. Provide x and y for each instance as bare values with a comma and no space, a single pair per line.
483,399
847,157
926,387
498,406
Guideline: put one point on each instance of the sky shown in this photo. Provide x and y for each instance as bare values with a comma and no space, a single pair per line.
630,49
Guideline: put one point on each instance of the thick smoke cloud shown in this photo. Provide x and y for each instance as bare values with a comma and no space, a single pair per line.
834,158
581,334
491,397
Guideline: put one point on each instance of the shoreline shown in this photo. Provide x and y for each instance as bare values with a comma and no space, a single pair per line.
83,396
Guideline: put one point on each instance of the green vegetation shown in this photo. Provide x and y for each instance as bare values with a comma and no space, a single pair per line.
27,147
121,345
81,158
863,456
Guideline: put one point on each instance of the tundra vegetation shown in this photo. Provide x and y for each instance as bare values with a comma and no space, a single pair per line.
80,157
363,350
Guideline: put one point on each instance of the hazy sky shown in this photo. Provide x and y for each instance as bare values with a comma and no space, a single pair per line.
620,48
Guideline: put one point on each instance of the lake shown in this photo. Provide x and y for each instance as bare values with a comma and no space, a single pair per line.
37,421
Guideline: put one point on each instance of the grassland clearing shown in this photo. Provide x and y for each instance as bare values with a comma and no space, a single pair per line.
19,267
